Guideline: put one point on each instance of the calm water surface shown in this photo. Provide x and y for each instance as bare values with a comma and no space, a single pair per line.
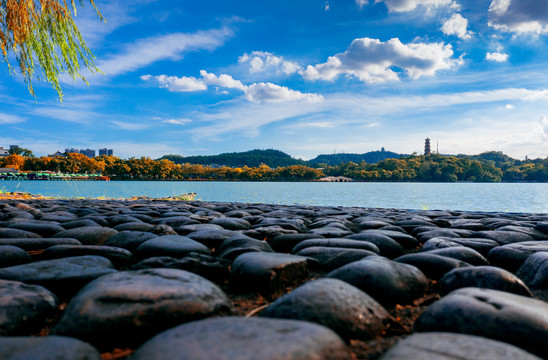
446,196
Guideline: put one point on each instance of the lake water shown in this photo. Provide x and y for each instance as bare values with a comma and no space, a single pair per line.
505,197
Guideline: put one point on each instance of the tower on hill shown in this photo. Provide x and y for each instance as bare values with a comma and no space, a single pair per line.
427,147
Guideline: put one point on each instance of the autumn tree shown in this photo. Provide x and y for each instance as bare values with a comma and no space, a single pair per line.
43,33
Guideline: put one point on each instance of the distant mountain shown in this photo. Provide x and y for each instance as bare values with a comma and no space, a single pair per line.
371,157
252,158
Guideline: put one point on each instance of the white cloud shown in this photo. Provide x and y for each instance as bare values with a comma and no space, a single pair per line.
262,61
509,107
174,83
410,5
519,16
177,121
257,92
457,25
373,61
6,119
326,6
268,92
543,127
361,3
130,126
223,80
144,52
497,57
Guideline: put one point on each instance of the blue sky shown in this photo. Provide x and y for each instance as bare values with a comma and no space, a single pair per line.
303,76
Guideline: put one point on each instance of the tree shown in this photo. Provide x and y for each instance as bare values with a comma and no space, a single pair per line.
44,31
21,151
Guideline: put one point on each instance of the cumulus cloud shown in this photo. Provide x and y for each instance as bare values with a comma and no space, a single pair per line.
496,56
223,80
174,83
519,16
543,127
457,25
410,5
257,92
268,92
262,61
6,119
509,107
374,61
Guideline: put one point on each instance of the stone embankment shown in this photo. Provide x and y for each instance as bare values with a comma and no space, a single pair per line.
102,279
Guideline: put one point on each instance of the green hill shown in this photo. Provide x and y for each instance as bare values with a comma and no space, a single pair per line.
252,158
371,157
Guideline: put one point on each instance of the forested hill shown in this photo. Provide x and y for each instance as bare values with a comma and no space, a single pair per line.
253,158
371,157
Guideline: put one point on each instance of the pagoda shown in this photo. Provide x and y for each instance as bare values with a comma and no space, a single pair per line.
427,150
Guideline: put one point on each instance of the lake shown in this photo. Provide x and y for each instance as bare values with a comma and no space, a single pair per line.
505,197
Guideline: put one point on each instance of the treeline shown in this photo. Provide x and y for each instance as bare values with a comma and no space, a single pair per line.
147,169
486,167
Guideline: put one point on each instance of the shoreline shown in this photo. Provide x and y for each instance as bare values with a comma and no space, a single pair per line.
248,257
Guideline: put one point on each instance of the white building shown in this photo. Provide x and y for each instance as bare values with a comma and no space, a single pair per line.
4,152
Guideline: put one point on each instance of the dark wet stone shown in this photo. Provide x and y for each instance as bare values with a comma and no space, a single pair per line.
534,271
121,219
98,219
134,226
406,241
13,255
483,246
331,258
498,315
46,348
268,233
288,224
425,228
487,277
210,267
24,308
212,238
231,223
542,227
372,224
438,243
89,235
427,235
229,338
17,233
80,223
129,240
118,256
331,232
285,243
450,346
268,274
335,304
126,308
461,253
60,218
187,229
32,244
387,281
409,225
239,244
337,243
174,221
467,224
512,256
504,237
42,229
535,234
433,266
176,246
236,213
64,276
387,246
163,229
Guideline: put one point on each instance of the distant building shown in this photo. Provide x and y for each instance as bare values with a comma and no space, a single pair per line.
88,152
72,150
382,149
427,147
57,154
13,147
105,151
4,152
